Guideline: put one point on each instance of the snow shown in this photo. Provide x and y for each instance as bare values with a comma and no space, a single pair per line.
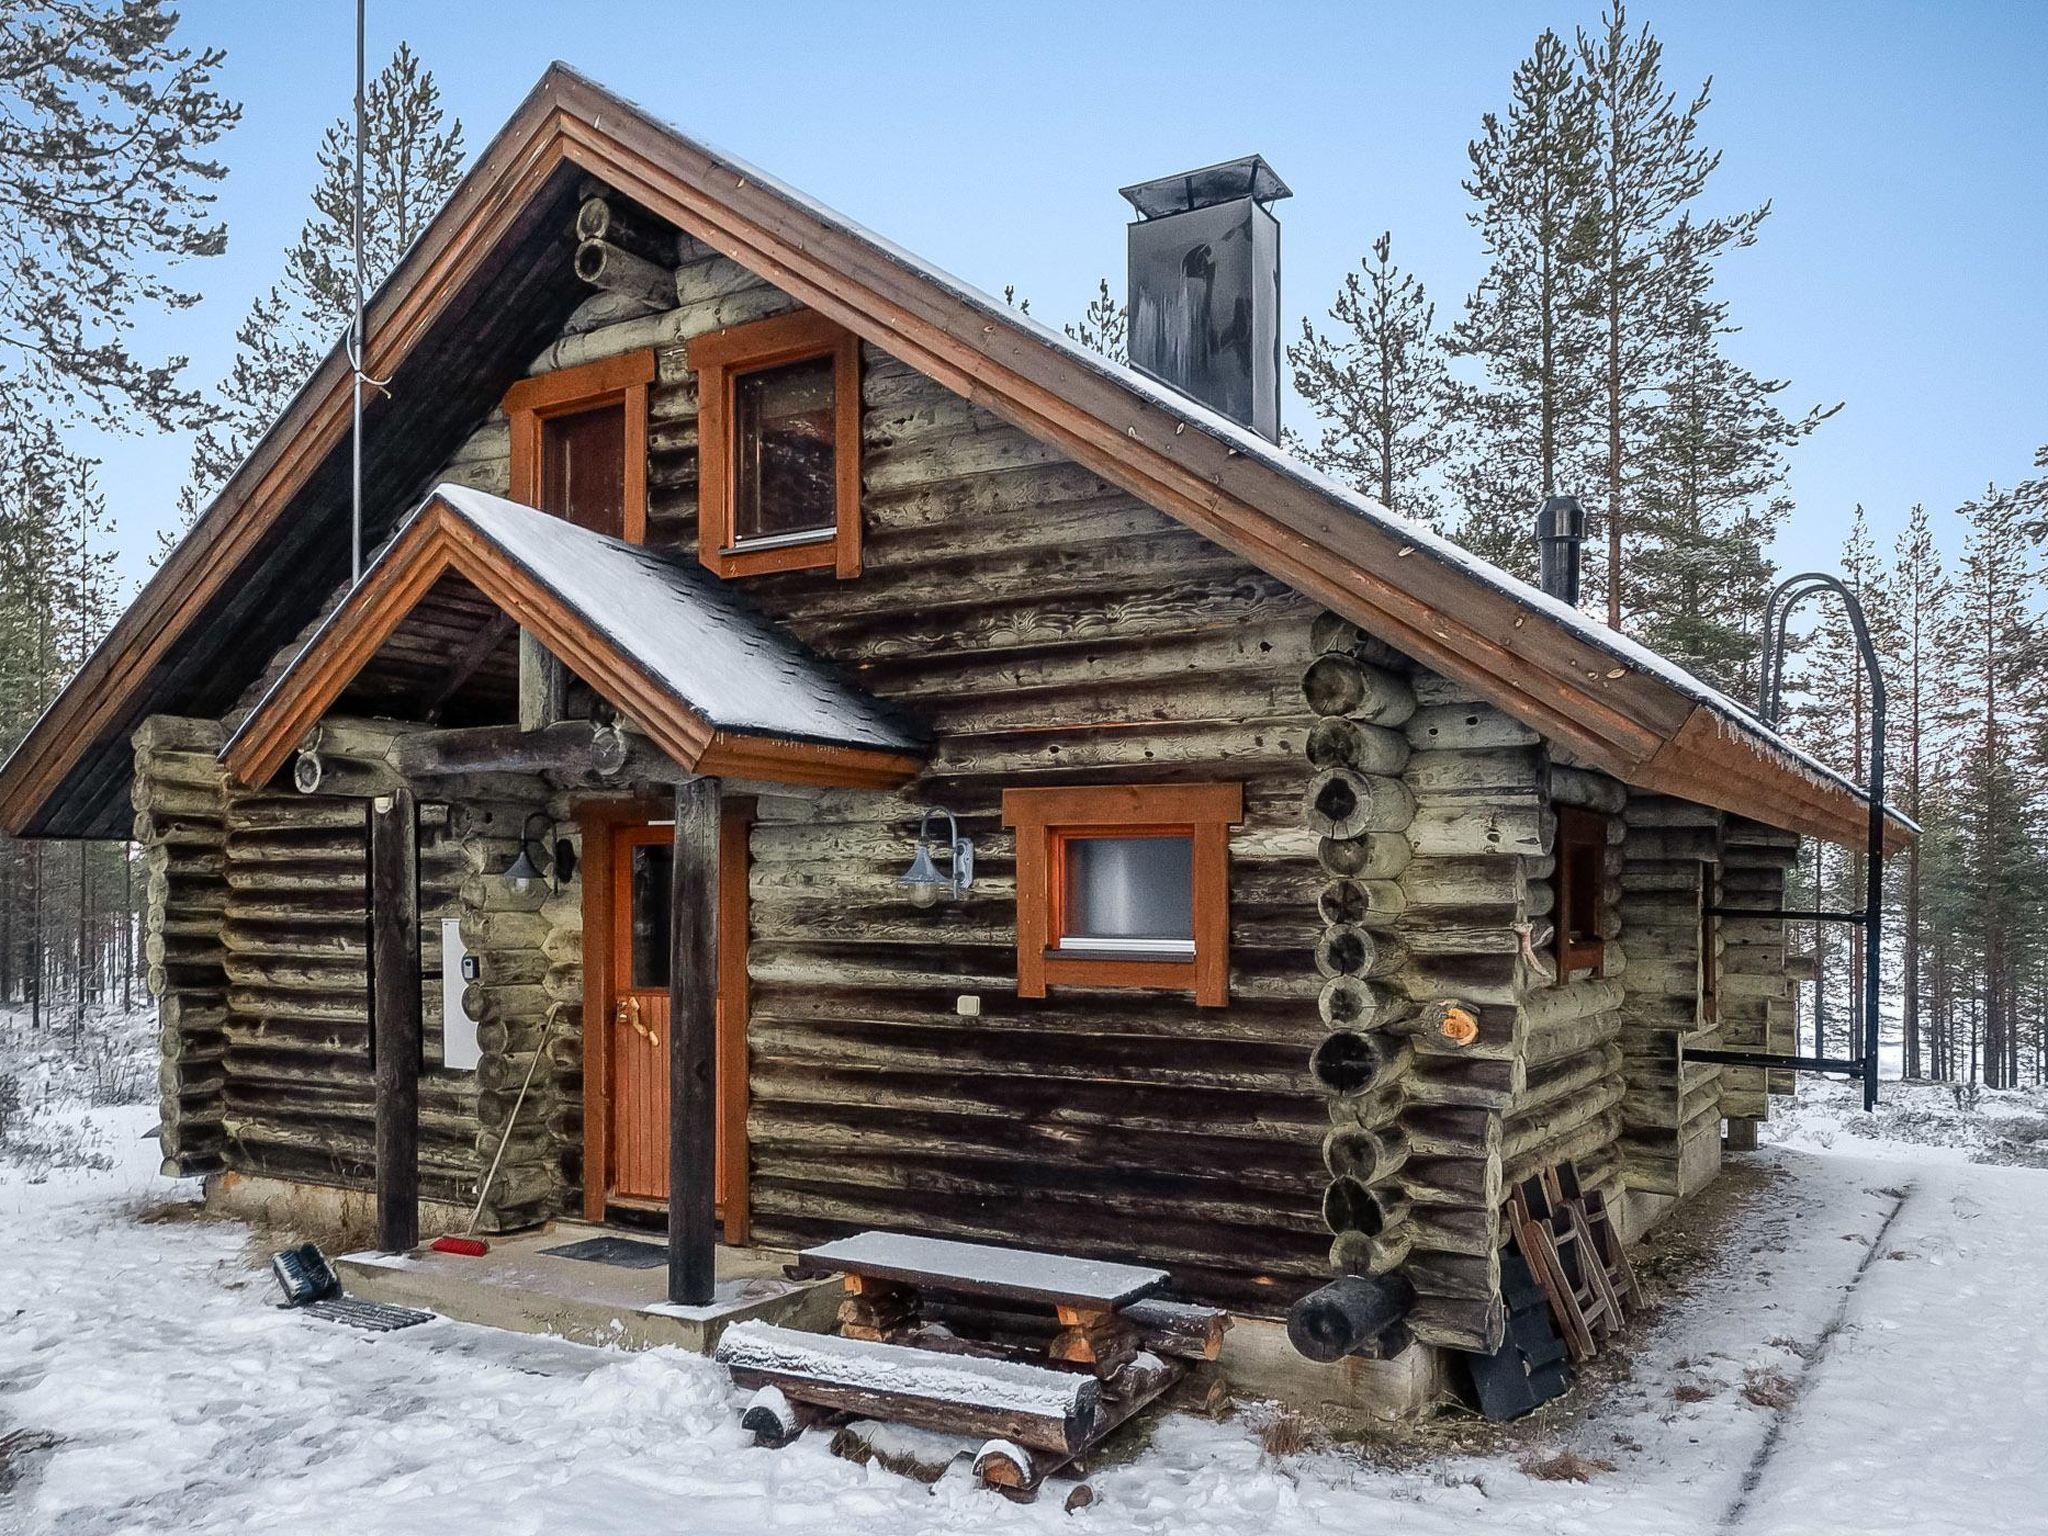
693,635
1019,1272
1857,1351
899,1368
1247,444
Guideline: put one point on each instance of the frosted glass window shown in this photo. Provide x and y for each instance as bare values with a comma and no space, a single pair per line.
653,864
1130,893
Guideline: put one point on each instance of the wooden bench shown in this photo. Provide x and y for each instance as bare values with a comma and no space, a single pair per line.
956,1337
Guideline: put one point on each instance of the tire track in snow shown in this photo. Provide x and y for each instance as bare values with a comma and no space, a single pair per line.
1753,1476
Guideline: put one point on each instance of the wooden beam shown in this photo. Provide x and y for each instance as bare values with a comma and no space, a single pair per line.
470,659
693,1045
570,747
542,684
395,1014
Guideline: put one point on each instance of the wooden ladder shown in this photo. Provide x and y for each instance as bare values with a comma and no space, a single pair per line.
1558,1244
1602,1236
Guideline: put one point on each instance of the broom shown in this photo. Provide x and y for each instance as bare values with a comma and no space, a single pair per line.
469,1243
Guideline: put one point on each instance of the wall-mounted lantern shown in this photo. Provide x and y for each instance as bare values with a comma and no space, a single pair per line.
535,862
923,879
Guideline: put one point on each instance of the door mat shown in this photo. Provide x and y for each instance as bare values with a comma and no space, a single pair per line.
619,1252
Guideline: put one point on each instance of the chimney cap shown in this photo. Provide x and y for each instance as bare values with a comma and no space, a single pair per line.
1249,176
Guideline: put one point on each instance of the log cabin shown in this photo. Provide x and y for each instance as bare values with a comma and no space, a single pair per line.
1285,884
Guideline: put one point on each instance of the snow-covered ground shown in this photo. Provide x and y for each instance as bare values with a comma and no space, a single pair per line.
1858,1348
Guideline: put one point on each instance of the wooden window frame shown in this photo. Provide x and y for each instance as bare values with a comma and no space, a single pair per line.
1045,818
719,359
1579,831
623,380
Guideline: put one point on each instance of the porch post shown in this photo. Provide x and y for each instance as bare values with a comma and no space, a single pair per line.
693,1036
395,1014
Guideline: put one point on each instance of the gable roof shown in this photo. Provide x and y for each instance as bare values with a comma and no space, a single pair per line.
1611,703
716,686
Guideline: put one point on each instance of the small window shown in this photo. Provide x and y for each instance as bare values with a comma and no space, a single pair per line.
778,447
653,864
1124,886
579,444
1580,884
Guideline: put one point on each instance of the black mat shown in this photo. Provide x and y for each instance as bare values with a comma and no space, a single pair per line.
619,1252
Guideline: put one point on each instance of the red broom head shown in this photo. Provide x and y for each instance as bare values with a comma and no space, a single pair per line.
475,1247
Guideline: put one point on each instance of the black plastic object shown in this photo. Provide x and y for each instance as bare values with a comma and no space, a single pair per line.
304,1275
1529,1368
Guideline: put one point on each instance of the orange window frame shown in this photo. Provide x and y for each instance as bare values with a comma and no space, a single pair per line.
1581,853
622,380
719,359
1045,820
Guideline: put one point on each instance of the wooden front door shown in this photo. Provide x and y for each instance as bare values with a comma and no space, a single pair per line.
629,865
641,864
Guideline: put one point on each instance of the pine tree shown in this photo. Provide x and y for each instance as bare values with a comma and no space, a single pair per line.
1379,385
1919,638
1104,325
412,160
1710,486
1529,323
1649,168
104,190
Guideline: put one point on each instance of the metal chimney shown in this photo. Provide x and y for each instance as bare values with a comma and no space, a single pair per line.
1560,531
1205,288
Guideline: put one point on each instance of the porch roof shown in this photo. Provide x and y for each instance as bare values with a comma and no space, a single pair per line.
711,682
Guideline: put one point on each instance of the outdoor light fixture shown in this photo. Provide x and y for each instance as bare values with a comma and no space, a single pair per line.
535,863
923,879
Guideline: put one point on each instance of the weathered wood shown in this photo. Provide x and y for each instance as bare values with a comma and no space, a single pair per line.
693,1044
1343,803
395,1014
569,748
604,265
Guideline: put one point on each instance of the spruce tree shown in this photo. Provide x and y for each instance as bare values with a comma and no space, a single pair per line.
105,189
1919,635
1648,169
1529,324
412,160
1378,383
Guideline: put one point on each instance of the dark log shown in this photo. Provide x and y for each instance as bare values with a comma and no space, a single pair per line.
395,1015
615,270
1347,1315
349,778
693,1034
599,218
1346,1063
572,748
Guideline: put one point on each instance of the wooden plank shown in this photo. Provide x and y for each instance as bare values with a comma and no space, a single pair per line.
981,1269
395,1014
693,1044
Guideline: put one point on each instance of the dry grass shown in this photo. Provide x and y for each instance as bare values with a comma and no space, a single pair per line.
1564,1467
1284,1435
1768,1389
1690,1392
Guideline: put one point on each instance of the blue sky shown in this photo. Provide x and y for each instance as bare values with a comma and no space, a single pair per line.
1902,146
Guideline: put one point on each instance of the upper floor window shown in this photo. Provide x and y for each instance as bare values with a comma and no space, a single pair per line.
579,443
1580,910
1124,886
778,447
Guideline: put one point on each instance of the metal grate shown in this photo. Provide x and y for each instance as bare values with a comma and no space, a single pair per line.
370,1316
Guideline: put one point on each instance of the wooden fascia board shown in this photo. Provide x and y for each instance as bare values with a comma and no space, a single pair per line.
439,542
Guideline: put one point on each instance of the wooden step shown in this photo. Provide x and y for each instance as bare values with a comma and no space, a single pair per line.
1036,1407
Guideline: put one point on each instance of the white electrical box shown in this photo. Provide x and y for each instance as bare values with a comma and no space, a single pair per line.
459,1049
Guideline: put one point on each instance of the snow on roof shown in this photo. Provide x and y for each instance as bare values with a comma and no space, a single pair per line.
1020,1272
1425,541
692,632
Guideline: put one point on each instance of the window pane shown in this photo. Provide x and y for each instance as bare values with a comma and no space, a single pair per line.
583,468
784,463
1130,888
652,863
